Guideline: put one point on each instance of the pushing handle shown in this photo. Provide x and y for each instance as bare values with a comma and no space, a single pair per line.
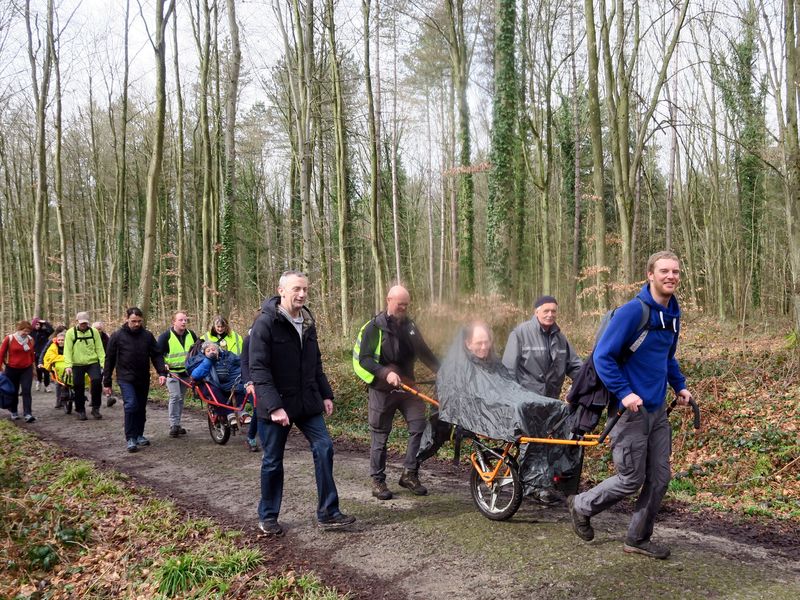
695,410
610,425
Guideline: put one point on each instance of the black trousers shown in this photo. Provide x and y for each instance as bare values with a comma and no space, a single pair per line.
22,380
79,373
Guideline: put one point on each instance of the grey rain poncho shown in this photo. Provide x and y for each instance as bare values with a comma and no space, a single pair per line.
480,396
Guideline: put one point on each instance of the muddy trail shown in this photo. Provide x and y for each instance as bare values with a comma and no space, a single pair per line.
437,546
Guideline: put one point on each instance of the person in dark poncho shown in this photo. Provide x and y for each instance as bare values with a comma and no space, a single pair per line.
477,393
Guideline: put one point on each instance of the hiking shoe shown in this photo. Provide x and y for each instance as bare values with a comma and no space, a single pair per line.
30,418
580,524
96,413
111,401
251,444
380,490
67,407
271,528
132,445
81,415
59,404
647,548
14,417
142,441
410,481
181,431
547,496
174,431
336,521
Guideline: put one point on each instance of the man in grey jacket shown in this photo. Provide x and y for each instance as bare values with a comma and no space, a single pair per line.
539,357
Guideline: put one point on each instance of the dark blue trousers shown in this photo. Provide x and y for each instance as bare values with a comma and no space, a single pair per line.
134,402
273,441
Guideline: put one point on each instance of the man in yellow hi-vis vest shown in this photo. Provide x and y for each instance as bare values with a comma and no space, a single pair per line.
175,343
387,349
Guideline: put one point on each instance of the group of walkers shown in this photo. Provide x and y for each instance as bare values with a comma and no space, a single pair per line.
279,365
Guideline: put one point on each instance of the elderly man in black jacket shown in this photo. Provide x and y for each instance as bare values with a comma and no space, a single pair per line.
291,388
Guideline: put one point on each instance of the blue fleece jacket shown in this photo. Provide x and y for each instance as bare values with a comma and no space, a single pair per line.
653,365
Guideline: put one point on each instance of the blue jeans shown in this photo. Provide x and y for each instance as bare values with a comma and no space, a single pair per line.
134,402
273,441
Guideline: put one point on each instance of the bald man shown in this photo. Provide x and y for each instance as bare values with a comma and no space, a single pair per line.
387,348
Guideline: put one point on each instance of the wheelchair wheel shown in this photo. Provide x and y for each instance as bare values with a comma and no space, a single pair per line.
219,429
500,499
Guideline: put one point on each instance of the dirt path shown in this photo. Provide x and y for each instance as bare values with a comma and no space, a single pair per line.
433,547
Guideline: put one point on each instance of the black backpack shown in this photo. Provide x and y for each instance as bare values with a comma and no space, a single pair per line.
588,397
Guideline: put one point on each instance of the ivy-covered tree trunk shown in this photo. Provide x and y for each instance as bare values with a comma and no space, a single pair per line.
227,262
792,149
502,177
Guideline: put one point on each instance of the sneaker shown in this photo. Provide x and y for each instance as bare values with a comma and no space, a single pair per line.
252,445
30,418
96,413
232,419
111,401
580,524
48,389
380,490
271,528
245,419
81,415
132,445
336,521
38,386
174,431
142,441
410,480
647,548
547,496
14,416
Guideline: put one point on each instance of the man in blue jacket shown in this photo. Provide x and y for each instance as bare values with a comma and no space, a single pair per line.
291,387
636,366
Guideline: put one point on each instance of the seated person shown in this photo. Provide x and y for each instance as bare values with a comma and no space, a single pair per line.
222,372
477,393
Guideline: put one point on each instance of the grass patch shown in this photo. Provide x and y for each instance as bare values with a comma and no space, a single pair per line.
64,523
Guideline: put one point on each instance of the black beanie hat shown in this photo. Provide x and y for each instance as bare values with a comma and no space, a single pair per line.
544,300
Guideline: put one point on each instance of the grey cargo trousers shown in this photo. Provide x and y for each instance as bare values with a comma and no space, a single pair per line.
382,408
641,448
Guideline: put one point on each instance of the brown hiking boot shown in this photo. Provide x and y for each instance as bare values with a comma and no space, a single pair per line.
647,548
580,523
380,490
410,480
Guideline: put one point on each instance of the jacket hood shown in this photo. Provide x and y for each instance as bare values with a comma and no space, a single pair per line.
659,312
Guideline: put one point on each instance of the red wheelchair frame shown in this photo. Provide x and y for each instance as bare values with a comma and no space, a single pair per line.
218,425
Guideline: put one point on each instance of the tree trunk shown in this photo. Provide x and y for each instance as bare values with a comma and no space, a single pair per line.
40,94
154,171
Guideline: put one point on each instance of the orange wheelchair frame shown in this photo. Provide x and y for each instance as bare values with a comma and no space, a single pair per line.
219,427
495,483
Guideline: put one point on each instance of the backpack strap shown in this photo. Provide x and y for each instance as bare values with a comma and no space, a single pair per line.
642,329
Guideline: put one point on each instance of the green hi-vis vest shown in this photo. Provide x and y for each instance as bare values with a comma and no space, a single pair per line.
176,357
361,371
231,342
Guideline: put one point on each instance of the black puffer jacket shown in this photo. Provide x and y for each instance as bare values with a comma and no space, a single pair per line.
285,373
130,353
